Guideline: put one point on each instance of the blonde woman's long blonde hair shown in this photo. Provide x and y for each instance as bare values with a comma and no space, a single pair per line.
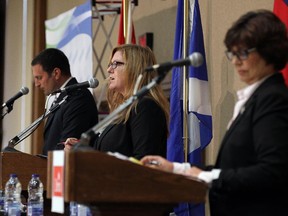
136,59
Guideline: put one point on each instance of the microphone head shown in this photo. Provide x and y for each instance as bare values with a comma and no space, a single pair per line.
93,83
196,59
24,90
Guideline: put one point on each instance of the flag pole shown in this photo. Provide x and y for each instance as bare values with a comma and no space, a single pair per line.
185,81
129,22
125,19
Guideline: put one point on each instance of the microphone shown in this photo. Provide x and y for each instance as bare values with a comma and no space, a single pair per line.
92,83
22,91
195,59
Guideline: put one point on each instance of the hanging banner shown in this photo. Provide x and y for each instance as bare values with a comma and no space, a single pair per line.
71,32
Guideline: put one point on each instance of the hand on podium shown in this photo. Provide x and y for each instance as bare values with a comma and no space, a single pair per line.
157,162
69,143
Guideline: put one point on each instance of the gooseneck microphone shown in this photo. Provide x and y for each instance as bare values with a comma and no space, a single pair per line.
195,60
22,91
92,83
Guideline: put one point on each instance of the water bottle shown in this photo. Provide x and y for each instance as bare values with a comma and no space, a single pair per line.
1,201
73,209
12,200
77,209
35,197
83,210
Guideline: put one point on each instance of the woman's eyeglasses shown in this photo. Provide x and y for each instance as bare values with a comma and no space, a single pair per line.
115,64
241,55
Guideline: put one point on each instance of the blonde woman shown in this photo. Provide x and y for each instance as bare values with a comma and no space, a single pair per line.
141,129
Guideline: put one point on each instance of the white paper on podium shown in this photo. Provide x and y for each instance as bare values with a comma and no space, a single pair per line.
58,182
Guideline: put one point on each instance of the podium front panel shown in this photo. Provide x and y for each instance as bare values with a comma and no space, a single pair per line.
22,164
95,177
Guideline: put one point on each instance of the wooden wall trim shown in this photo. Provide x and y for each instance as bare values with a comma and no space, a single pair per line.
38,98
2,60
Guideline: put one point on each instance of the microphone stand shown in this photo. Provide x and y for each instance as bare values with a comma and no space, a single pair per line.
8,110
22,135
91,133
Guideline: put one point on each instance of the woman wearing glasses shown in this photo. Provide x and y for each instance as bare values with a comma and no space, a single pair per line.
141,129
251,172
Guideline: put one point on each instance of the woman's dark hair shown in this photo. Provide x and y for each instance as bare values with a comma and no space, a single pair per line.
263,30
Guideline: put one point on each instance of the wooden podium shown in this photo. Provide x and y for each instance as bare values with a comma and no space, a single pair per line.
120,187
24,165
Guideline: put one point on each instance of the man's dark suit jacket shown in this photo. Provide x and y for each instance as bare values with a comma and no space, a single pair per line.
74,117
144,133
254,157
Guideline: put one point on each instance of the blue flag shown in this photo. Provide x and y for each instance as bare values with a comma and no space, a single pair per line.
199,117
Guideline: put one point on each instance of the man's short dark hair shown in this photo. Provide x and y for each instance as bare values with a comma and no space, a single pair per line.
52,58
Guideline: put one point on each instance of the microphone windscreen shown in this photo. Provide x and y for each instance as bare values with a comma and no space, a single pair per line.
93,83
196,59
24,90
